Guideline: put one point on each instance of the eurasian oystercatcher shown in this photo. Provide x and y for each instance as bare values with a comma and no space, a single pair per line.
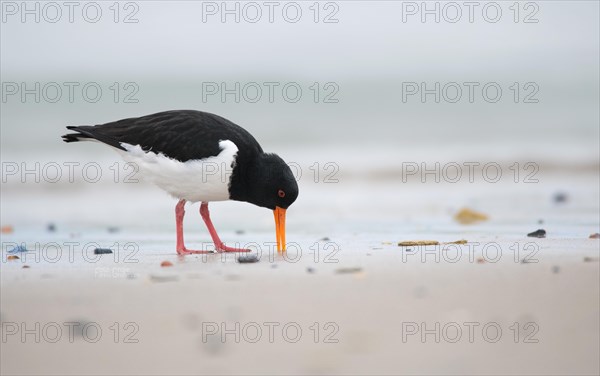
198,156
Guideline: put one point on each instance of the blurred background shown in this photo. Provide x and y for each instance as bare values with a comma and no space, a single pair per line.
373,104
359,66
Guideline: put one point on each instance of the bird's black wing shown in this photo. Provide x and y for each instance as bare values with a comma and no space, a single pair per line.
181,135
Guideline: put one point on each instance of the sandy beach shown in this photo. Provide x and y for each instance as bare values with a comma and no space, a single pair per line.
342,300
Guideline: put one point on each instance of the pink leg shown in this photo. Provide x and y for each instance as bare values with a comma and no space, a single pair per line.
219,246
179,213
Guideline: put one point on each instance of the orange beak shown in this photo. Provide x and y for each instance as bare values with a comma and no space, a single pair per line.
280,227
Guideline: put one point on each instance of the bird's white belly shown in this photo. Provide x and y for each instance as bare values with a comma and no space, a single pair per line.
194,180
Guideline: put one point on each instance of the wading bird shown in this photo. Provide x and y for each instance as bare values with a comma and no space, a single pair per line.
198,156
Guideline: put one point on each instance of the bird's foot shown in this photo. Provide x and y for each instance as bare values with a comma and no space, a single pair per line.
223,248
184,251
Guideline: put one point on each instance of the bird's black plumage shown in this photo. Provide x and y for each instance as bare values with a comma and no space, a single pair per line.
179,134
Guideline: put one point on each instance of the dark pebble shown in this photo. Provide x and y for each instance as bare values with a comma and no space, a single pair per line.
240,232
325,239
247,259
310,270
595,236
537,234
527,261
560,197
113,229
540,221
555,269
51,227
102,251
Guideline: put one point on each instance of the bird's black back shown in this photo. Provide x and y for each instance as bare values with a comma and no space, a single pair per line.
178,134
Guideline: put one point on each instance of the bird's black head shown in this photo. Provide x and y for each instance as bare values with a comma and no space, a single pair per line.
271,183
266,181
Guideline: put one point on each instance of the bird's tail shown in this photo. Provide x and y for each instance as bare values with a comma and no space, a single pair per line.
88,133
74,137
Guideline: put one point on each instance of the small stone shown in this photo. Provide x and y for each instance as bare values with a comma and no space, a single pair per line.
51,227
163,278
240,232
12,257
310,270
247,259
537,234
324,239
102,251
591,259
467,216
112,229
274,266
540,221
18,249
26,266
555,269
7,229
560,197
166,264
348,270
595,236
480,260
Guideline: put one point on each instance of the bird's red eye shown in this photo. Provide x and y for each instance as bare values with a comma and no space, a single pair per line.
281,193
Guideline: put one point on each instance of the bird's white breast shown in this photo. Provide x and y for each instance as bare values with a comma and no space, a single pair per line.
194,180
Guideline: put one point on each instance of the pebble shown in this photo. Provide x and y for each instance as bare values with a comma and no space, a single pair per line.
348,270
247,259
102,251
595,236
537,234
560,197
163,278
12,257
7,229
310,270
166,264
467,216
51,227
555,269
18,249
